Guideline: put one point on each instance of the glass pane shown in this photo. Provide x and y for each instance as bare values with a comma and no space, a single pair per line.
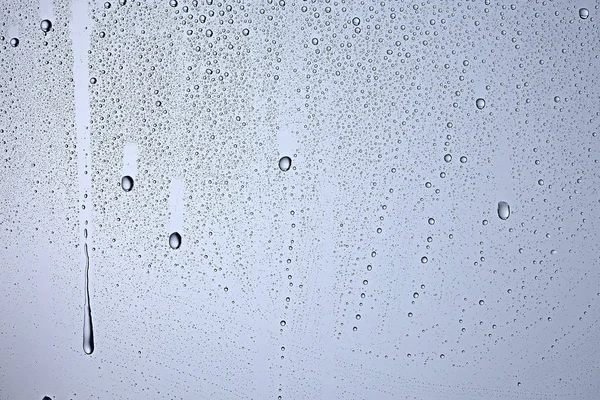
299,199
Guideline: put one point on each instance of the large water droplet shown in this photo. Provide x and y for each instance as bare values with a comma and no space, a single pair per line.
503,210
285,163
584,13
127,183
88,330
45,25
480,103
355,21
175,240
14,42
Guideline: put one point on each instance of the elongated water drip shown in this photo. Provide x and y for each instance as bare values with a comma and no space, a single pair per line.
88,331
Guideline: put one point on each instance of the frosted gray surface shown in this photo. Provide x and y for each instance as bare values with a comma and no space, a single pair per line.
433,234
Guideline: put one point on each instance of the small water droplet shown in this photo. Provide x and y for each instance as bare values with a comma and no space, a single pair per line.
175,240
431,221
447,158
173,3
14,42
357,316
442,356
282,323
556,99
480,103
481,302
93,81
424,260
584,13
245,31
285,163
127,183
463,159
503,210
410,315
355,21
315,41
107,5
415,295
45,25
541,182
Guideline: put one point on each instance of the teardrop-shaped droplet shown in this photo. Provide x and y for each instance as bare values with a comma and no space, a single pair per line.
480,103
127,183
88,330
175,240
285,163
503,210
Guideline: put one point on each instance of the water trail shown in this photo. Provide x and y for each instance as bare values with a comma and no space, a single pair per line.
88,330
80,26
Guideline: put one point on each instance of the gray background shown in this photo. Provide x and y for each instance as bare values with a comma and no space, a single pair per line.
506,309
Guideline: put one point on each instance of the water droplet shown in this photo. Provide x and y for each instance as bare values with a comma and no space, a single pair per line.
481,302
541,182
410,315
14,42
556,99
175,240
442,356
127,183
107,5
93,81
503,210
285,163
357,316
315,41
424,260
431,221
463,159
45,25
447,158
415,295
282,323
584,13
173,3
355,21
88,330
480,103
245,31
553,252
